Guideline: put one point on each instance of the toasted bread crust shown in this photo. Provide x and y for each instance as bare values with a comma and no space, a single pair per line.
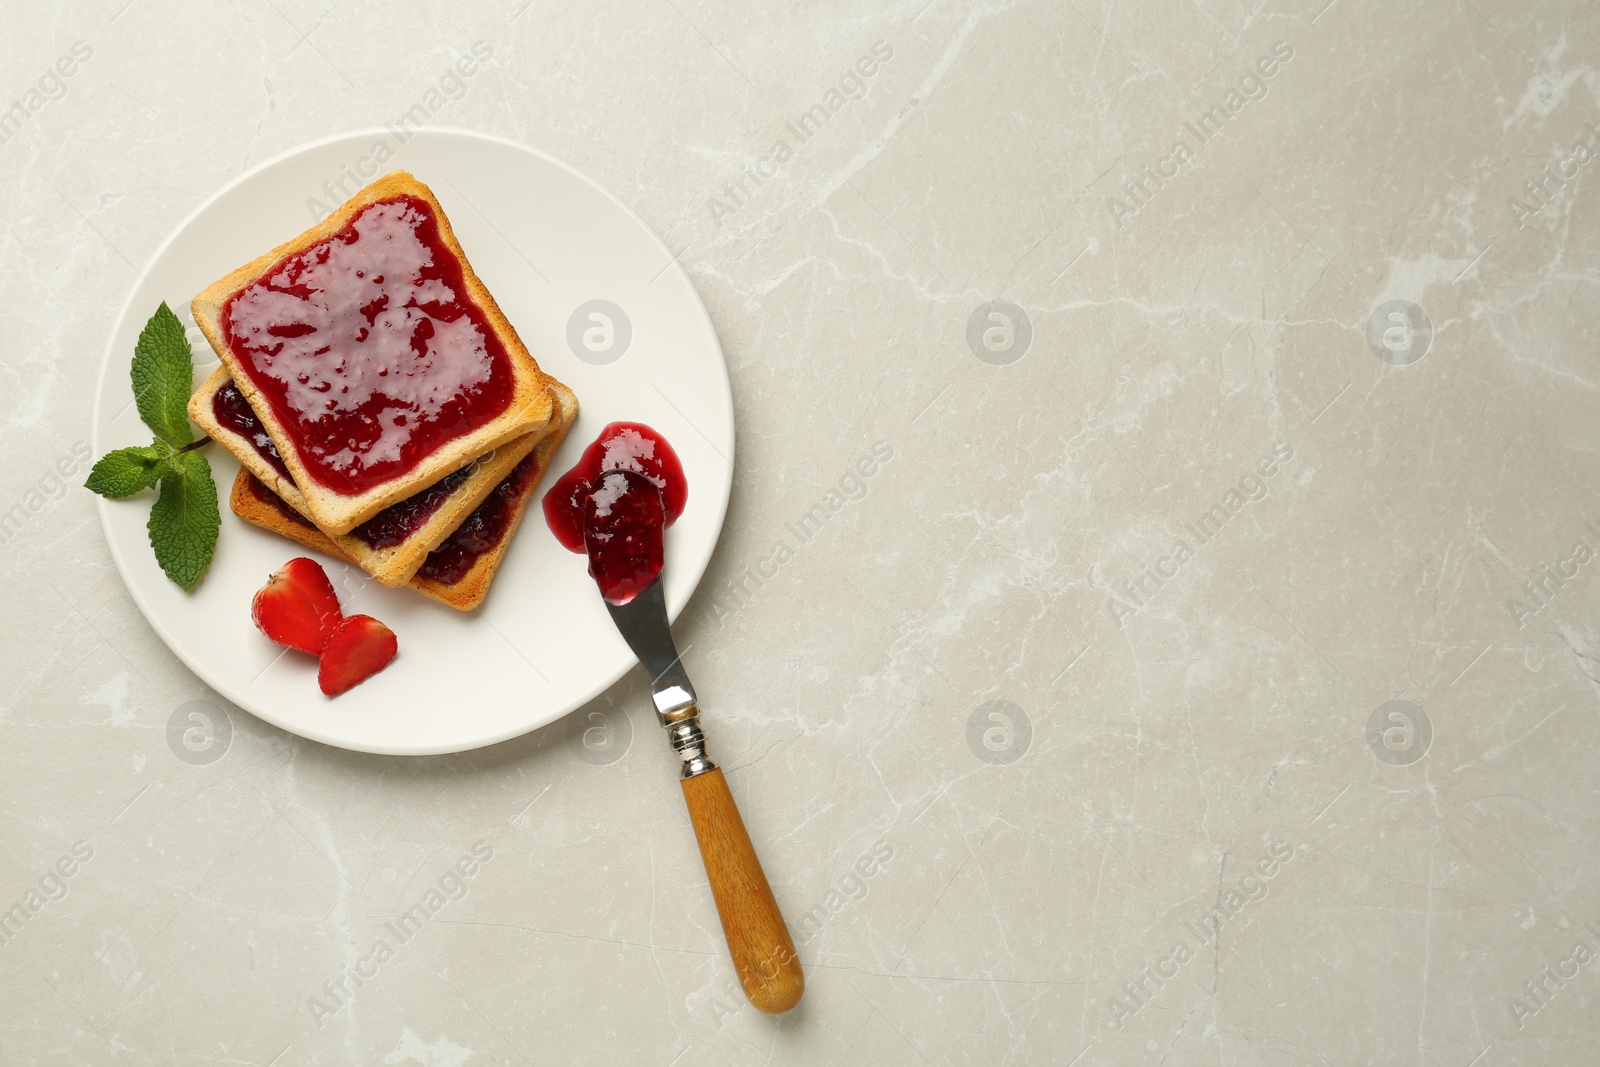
531,408
257,512
394,565
463,595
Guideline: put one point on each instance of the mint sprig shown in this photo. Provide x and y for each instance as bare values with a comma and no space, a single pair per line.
185,519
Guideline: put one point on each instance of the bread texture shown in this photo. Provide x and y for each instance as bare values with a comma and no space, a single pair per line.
391,561
258,505
532,403
255,502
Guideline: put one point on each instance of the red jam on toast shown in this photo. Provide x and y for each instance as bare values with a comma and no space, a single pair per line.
369,348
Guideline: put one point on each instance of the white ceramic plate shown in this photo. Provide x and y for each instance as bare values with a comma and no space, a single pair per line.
546,240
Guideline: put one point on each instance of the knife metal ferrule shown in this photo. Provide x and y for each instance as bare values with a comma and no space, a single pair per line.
689,742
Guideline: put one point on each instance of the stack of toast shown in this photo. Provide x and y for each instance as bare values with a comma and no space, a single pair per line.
382,408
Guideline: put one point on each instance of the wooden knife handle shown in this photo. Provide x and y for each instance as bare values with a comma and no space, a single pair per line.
763,953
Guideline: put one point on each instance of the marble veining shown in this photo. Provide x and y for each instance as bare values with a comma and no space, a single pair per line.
1156,618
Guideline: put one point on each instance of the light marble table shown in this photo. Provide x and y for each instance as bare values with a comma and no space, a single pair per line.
1208,675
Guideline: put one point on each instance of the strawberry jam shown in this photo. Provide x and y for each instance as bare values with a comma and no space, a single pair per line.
395,523
228,407
484,529
624,516
628,446
368,347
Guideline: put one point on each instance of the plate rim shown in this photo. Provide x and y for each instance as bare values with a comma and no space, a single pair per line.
102,505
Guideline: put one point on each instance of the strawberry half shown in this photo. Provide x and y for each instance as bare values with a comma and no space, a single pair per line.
298,607
358,648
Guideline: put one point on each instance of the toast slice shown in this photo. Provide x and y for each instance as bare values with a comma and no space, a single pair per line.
373,355
460,570
392,544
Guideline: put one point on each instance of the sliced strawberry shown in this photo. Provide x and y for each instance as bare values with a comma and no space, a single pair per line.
360,647
298,607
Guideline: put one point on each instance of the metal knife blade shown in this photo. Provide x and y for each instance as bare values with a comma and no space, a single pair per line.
642,622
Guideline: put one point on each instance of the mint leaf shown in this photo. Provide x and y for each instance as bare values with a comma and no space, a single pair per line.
128,470
163,377
184,521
